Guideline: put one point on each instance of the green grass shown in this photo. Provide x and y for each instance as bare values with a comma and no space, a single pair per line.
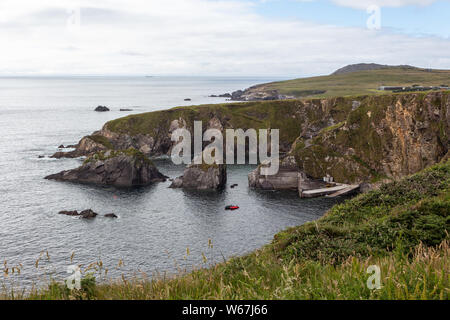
402,228
360,83
131,152
101,140
255,115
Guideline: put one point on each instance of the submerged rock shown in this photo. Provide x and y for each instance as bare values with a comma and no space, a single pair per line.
110,215
126,168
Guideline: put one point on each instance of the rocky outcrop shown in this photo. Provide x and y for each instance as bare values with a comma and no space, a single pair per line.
224,95
151,133
202,177
357,139
86,214
86,147
385,137
127,168
257,93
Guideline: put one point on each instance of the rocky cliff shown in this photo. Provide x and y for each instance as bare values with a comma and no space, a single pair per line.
352,139
202,176
382,137
151,132
126,168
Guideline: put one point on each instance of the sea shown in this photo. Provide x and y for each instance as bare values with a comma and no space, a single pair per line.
159,231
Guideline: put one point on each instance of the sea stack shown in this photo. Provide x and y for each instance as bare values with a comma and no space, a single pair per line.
125,168
202,177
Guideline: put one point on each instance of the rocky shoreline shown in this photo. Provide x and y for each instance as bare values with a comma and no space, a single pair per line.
360,140
254,93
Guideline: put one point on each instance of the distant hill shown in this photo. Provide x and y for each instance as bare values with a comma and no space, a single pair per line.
368,66
359,79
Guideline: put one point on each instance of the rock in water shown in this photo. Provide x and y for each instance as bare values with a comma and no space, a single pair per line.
86,214
101,109
126,168
110,215
69,213
202,177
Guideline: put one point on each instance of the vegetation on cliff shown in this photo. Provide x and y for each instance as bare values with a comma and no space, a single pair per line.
354,139
402,228
383,137
364,82
256,115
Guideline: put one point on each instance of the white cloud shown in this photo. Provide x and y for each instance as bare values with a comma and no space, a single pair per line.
190,37
363,4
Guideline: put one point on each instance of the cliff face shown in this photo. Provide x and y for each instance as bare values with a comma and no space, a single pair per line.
352,139
151,132
383,137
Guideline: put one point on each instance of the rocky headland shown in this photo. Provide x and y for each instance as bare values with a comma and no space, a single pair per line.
255,93
361,139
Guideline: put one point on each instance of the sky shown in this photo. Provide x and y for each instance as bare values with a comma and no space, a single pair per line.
287,38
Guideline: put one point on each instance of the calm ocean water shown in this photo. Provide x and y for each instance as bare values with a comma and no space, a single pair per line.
156,224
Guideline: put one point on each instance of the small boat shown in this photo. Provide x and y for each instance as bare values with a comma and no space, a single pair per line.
231,207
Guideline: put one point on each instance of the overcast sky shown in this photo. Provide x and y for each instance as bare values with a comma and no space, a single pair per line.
213,37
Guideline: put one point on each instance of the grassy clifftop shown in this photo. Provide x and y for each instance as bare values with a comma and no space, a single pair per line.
290,116
360,83
354,139
401,228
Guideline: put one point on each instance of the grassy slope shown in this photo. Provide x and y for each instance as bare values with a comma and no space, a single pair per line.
362,82
402,228
256,115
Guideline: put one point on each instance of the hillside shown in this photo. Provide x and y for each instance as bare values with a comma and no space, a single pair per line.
402,228
346,82
368,66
